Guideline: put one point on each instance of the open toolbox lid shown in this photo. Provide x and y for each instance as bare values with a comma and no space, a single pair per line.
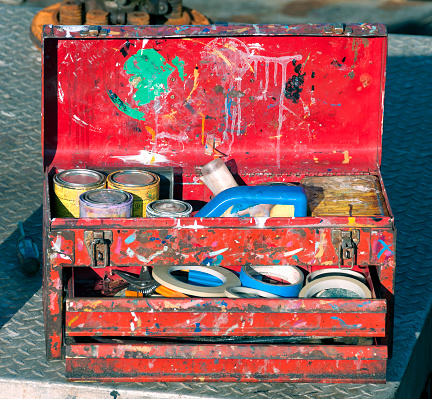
276,99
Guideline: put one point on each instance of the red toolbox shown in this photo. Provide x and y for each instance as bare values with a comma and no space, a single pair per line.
297,103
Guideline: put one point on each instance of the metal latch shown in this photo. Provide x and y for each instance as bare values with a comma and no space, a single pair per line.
98,246
345,243
337,29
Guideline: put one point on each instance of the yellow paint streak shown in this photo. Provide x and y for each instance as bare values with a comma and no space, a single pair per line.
171,115
73,320
307,59
276,137
315,159
196,76
152,132
346,157
220,55
351,221
321,246
327,263
202,127
152,160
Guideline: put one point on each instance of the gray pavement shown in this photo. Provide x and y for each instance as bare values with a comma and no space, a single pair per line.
406,167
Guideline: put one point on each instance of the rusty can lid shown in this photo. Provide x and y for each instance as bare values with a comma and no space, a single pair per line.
79,178
106,198
133,178
168,208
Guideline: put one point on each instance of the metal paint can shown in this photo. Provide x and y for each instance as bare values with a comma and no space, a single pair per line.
143,185
69,185
168,208
105,203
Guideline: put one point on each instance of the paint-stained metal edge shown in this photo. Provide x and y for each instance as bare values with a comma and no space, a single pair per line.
231,30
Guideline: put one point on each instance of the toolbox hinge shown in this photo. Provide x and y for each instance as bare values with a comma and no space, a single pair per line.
98,246
345,243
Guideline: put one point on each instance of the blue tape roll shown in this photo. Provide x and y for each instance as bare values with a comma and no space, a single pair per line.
250,277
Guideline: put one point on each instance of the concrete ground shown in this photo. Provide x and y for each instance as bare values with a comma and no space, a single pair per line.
401,16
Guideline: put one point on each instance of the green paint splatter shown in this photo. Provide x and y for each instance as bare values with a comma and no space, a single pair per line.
150,74
125,108
180,67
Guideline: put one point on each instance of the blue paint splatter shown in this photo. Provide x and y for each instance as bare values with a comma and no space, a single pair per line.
168,237
345,325
276,261
157,325
335,105
206,30
207,262
385,248
296,258
229,101
131,238
197,329
218,260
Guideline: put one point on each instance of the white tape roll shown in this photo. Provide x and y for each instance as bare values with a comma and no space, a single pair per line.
162,274
335,272
245,292
336,287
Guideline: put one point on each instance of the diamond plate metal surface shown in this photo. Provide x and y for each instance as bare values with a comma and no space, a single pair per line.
407,146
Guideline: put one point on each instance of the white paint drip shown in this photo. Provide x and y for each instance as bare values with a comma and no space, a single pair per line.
237,58
60,93
56,244
134,316
144,157
79,121
130,253
260,221
132,326
70,29
195,226
215,253
293,252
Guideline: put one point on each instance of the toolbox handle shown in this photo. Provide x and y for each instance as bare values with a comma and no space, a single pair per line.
256,195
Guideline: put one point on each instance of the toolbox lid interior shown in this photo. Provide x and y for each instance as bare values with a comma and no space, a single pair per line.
275,99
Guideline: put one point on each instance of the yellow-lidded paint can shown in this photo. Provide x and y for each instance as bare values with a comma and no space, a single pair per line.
69,185
143,185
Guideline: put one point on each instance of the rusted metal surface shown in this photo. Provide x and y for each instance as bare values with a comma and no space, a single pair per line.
278,363
277,101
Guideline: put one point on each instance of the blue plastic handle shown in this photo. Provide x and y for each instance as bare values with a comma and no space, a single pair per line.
255,195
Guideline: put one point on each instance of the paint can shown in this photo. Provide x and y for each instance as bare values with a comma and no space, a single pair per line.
143,185
168,208
105,203
69,185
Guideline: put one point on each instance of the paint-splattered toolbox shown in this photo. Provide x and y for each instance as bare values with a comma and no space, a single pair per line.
293,104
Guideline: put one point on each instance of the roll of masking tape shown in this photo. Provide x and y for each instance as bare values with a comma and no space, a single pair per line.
245,292
335,287
291,276
335,272
162,274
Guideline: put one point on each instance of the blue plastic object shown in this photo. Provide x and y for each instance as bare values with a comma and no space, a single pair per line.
255,195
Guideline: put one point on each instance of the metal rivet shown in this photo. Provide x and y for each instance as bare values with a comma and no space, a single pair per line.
172,96
172,79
